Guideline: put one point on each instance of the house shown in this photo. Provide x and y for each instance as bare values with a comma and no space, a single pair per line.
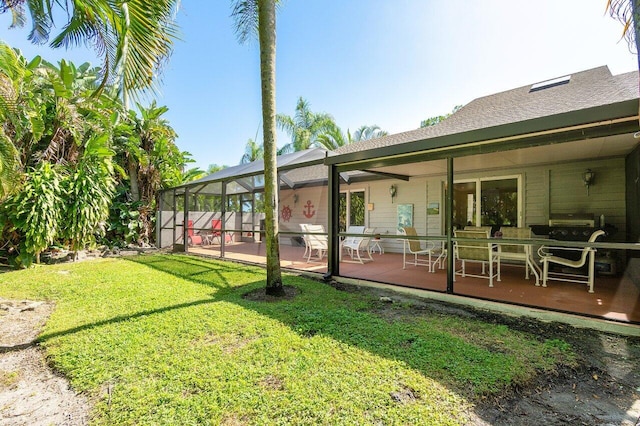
557,156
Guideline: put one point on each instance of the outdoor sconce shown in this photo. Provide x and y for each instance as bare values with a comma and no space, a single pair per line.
393,190
587,178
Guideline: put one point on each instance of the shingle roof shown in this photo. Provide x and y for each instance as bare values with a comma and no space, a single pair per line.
586,89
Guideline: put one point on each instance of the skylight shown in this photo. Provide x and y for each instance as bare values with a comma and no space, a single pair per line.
550,83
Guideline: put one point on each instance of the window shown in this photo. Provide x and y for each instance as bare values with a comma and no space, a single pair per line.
550,83
500,203
352,209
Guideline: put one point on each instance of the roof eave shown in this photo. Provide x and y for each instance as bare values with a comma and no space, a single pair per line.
619,110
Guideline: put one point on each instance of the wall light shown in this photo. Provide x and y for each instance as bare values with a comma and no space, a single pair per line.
393,191
588,177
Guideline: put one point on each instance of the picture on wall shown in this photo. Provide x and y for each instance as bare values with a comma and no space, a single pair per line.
405,215
433,208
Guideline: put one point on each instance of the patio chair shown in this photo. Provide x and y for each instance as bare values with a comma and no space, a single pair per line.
193,238
313,240
587,254
414,247
472,251
518,252
216,227
354,245
479,229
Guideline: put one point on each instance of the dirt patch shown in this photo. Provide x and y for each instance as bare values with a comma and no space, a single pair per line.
30,392
604,389
260,295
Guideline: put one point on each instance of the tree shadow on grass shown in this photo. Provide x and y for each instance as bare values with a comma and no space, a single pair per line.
352,319
212,273
122,318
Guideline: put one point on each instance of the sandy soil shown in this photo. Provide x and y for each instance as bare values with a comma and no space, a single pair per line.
603,390
30,392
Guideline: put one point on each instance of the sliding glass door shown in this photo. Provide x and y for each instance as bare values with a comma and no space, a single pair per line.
494,201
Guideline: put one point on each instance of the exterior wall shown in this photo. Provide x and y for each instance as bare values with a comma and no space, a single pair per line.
317,197
546,190
606,195
383,217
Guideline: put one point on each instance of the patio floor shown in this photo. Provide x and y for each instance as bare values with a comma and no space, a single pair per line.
615,298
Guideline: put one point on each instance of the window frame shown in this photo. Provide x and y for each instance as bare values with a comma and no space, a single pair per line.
478,182
348,193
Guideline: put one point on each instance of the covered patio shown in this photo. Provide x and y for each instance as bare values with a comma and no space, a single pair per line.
616,298
562,169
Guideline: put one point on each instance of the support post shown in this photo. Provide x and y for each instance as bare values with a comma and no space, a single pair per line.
333,255
223,217
449,220
185,228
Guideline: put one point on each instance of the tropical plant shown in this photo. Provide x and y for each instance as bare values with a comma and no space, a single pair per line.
146,149
334,138
627,12
213,168
9,166
252,152
62,131
251,17
90,188
134,38
305,127
20,113
34,215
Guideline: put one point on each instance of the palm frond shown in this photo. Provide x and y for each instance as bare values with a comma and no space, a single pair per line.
628,13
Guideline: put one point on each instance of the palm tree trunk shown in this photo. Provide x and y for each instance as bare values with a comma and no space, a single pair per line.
267,35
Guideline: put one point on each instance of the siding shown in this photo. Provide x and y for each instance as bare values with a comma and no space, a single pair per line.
548,189
317,196
567,193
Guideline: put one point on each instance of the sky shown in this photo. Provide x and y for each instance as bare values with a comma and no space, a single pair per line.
392,63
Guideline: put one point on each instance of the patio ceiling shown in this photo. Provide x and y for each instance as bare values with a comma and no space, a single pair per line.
586,149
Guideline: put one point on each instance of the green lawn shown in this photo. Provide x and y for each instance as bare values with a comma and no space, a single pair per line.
169,339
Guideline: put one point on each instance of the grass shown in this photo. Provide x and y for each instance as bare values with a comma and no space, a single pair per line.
169,339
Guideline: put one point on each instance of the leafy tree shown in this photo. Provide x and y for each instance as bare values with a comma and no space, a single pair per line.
365,133
432,121
133,38
9,165
145,144
20,114
252,152
305,127
334,138
90,188
251,17
213,168
192,174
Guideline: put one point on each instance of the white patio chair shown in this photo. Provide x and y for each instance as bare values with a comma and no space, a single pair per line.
481,251
354,245
303,228
518,252
587,254
434,251
314,240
